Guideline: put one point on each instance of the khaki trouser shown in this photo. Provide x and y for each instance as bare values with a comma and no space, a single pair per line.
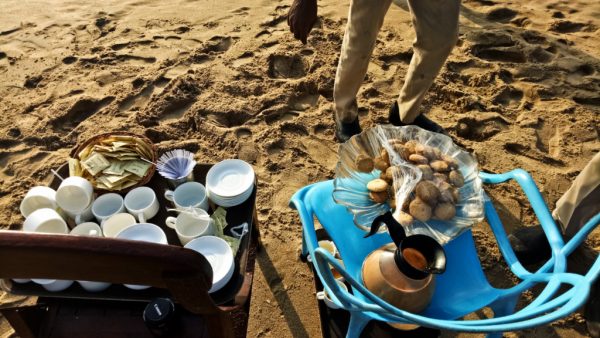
582,201
436,26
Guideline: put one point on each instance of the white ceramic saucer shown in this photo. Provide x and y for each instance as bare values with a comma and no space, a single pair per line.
220,257
230,178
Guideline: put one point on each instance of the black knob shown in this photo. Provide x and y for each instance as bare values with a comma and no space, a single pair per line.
158,315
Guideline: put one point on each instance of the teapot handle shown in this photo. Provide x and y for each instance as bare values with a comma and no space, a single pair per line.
395,229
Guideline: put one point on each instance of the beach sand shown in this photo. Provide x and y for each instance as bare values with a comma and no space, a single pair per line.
225,79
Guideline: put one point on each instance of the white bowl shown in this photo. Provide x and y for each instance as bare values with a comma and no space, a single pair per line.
220,257
54,285
93,286
145,232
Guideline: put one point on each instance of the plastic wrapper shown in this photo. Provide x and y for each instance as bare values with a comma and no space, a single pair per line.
350,184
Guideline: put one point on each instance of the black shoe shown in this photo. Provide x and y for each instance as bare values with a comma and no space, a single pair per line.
592,310
530,245
420,121
345,130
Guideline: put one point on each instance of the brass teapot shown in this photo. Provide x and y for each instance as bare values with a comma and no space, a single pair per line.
401,273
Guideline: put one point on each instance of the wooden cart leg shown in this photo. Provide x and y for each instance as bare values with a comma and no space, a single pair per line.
221,325
25,320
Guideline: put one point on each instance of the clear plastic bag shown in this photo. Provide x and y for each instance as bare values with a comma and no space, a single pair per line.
350,184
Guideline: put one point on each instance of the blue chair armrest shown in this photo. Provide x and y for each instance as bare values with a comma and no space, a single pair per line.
540,209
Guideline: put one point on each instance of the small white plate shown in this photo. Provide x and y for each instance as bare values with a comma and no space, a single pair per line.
230,178
230,202
220,257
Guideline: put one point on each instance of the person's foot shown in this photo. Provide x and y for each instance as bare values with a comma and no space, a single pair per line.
345,130
421,120
530,245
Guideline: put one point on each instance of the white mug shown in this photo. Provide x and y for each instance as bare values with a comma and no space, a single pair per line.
37,198
117,223
45,220
87,229
142,203
81,216
107,205
93,230
145,232
324,296
189,225
188,195
74,194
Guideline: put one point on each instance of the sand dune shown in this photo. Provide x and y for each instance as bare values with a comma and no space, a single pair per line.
225,79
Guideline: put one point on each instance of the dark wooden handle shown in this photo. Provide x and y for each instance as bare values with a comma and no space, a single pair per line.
185,273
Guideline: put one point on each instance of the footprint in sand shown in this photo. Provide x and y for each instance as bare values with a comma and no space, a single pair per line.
481,127
509,97
501,14
565,26
217,44
79,112
287,66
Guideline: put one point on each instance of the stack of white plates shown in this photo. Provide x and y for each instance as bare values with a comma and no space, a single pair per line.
230,182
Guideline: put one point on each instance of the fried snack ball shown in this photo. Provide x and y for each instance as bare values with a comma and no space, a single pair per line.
381,164
427,192
405,219
439,177
385,156
452,163
401,151
447,193
427,172
389,174
377,185
439,166
392,203
418,159
456,178
420,210
410,146
364,163
379,197
444,211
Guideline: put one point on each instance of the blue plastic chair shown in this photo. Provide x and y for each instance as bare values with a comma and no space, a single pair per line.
463,287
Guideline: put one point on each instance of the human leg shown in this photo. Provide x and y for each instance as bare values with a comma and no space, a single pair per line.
365,18
436,27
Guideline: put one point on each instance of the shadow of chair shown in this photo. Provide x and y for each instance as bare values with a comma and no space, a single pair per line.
463,288
186,275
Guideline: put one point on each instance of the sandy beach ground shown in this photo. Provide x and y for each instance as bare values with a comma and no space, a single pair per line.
225,79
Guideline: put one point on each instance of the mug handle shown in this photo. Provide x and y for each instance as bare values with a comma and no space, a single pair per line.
169,195
171,221
78,219
321,295
141,217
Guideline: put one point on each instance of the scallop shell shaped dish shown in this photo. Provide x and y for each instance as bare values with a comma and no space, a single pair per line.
350,185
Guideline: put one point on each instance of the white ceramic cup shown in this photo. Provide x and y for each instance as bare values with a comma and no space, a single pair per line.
327,245
324,296
37,198
145,232
189,194
87,229
45,220
53,285
117,223
107,205
142,203
93,230
189,226
74,194
83,216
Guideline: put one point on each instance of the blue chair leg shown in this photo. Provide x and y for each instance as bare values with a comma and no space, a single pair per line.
358,321
502,307
304,253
